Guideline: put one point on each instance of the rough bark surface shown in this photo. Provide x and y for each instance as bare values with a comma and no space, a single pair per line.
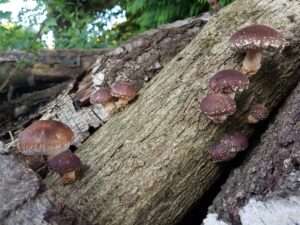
44,208
17,184
271,170
139,60
149,164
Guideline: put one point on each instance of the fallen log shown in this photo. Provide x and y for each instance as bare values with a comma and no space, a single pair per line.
138,59
265,189
46,207
150,163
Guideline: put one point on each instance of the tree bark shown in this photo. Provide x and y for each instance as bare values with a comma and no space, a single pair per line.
150,163
139,59
269,177
45,207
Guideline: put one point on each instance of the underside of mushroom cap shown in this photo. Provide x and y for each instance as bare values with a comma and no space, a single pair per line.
45,137
228,82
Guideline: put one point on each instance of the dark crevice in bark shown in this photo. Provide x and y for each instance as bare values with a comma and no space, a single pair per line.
197,213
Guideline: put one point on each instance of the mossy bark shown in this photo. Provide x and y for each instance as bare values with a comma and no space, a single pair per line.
149,164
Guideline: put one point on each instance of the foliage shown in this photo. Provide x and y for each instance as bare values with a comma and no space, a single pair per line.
16,37
85,23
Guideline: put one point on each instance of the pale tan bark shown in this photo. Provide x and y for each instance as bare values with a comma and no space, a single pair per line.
149,164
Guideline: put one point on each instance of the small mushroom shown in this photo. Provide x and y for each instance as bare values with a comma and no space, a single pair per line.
45,137
125,91
218,107
67,165
257,113
103,96
228,82
253,40
228,147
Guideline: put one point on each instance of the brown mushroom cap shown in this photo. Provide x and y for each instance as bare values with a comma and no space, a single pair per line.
220,153
101,96
228,82
67,165
124,89
45,137
255,37
235,142
257,113
228,147
65,162
218,107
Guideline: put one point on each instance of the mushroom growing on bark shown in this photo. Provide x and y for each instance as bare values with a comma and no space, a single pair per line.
257,113
228,147
125,91
103,96
228,82
47,137
67,165
218,107
253,40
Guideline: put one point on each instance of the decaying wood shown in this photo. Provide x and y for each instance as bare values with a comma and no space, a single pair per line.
21,69
24,200
17,112
49,209
17,185
270,171
149,163
139,60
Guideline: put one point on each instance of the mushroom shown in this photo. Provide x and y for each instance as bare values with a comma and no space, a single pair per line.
67,165
103,96
125,91
257,113
253,40
228,82
51,138
228,147
45,137
218,107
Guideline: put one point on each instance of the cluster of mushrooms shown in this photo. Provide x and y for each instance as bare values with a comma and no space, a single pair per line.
115,97
52,139
220,103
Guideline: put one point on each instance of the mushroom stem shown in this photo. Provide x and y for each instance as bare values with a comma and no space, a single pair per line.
122,102
110,108
70,177
252,62
251,119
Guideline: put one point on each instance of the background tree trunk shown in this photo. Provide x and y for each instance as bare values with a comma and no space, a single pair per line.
149,164
266,185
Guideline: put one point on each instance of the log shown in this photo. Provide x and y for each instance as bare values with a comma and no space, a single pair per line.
139,60
44,207
149,163
265,189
